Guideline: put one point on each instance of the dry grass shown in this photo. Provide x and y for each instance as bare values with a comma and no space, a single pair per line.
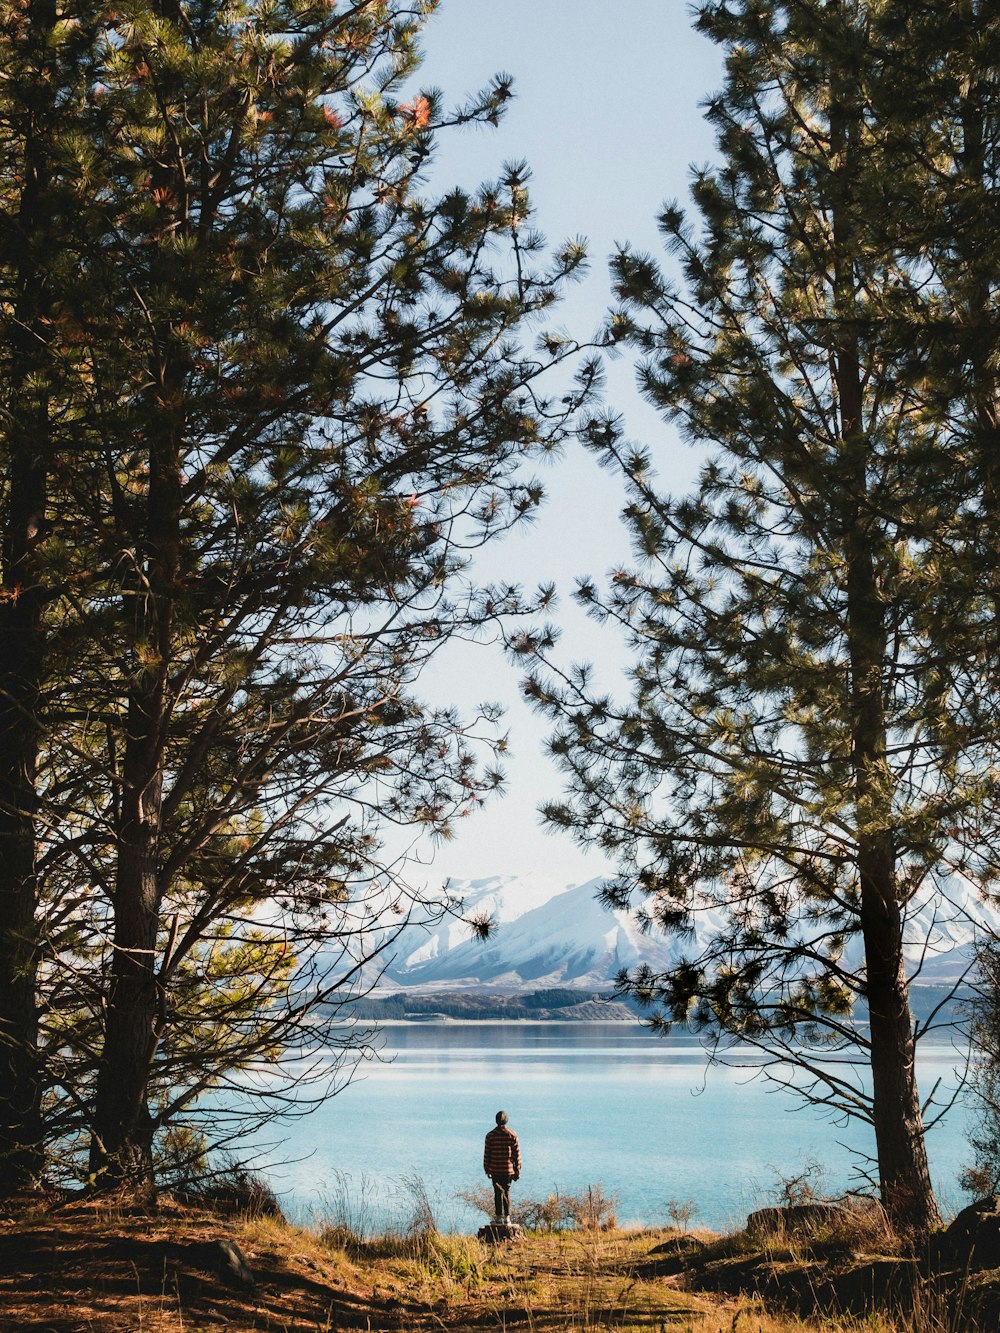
84,1268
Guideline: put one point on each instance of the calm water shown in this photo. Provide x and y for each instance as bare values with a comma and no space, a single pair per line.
591,1102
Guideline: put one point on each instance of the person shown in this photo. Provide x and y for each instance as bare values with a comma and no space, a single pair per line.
502,1163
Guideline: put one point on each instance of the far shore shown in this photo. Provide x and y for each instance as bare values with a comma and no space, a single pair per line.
443,1019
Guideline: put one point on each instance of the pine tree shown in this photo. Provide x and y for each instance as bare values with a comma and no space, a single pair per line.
328,411
948,148
982,1176
303,403
795,763
45,58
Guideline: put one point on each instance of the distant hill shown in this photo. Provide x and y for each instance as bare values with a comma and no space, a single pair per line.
563,1006
940,1003
549,935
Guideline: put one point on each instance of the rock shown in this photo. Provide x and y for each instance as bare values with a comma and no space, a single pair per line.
800,1218
497,1233
225,1258
673,1256
683,1244
811,1287
877,1284
973,1238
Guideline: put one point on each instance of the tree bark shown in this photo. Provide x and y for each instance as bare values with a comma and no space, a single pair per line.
122,1143
28,448
20,666
901,1152
904,1176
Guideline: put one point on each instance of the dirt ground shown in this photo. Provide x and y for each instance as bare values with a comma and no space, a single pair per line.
80,1267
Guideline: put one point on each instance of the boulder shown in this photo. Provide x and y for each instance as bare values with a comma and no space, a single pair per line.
797,1218
876,1284
672,1256
973,1238
811,1287
682,1244
224,1258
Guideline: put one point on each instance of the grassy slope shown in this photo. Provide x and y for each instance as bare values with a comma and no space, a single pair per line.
86,1268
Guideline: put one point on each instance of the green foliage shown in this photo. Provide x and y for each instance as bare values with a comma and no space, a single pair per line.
809,749
293,395
555,998
982,1176
457,1258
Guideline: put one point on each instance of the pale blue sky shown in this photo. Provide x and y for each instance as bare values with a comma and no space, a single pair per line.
607,114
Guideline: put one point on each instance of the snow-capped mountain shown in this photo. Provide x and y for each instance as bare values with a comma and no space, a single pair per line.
543,934
549,934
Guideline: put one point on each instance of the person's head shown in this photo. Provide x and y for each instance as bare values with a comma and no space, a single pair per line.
502,1117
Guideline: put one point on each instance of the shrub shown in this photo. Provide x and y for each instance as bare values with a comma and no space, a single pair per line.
549,1214
235,1190
338,1237
593,1210
220,1182
456,1258
806,1187
680,1212
590,1210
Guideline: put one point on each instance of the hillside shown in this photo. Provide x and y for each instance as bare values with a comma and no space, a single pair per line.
582,1006
78,1266
559,1006
88,1268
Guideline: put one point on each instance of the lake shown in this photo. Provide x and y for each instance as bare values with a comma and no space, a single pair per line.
591,1102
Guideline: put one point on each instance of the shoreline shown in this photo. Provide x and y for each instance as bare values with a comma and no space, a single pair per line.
445,1021
936,1041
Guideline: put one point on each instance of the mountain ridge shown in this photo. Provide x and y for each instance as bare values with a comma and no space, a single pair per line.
549,934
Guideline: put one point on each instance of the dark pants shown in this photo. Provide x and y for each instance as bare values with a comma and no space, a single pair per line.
501,1195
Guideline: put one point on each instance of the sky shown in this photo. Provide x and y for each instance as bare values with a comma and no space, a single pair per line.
607,114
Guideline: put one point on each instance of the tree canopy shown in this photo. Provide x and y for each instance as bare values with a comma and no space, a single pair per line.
808,755
286,393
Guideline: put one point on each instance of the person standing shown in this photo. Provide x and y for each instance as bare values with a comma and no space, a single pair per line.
502,1163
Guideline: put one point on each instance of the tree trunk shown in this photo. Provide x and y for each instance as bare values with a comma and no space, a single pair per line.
20,665
122,1144
121,1154
904,1177
28,447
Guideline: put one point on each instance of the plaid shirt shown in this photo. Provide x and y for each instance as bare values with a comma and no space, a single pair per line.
502,1153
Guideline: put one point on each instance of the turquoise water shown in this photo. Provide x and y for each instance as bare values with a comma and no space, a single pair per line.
607,1103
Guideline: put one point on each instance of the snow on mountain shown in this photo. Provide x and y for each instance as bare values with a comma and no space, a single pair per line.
567,938
545,934
941,933
501,898
549,934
